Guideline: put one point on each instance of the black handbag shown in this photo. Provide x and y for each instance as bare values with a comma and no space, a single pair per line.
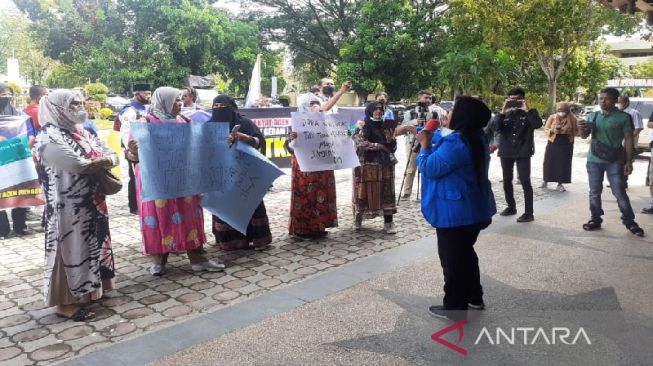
603,151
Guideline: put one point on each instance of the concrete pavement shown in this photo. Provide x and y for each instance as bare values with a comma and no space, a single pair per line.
547,274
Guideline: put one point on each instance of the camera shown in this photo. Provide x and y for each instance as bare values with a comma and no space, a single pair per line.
512,103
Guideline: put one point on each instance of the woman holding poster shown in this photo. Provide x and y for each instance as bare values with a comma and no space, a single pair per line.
313,194
173,225
374,179
258,229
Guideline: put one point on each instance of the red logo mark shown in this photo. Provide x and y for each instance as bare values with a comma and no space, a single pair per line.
437,336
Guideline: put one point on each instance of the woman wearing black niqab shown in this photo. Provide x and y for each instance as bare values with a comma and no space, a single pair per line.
258,230
374,179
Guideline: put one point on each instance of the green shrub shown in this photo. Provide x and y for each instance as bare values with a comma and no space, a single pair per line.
96,89
99,97
17,89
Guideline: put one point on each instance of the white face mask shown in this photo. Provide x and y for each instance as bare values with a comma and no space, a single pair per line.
446,131
78,115
620,106
561,114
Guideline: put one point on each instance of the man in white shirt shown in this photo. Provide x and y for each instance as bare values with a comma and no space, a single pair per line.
638,125
135,111
623,103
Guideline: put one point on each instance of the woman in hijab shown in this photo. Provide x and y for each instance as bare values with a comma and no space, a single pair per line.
458,201
374,179
6,94
312,194
562,128
258,230
173,225
79,264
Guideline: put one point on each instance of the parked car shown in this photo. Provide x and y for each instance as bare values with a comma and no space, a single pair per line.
645,107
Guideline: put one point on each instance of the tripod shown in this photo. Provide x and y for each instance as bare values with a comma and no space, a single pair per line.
403,180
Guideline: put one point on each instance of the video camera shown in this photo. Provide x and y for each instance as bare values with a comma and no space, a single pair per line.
420,111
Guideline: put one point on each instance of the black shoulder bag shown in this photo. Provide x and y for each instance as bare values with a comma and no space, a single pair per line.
603,151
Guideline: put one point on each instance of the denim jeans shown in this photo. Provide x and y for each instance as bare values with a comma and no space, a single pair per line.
615,173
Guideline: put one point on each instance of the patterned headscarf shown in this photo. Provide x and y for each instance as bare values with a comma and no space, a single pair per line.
55,109
162,102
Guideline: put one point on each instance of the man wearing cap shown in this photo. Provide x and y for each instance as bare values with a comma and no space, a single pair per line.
134,112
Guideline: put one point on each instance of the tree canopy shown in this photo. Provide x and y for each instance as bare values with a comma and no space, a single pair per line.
452,47
159,41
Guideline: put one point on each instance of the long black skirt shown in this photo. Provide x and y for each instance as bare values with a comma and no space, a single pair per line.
557,160
258,232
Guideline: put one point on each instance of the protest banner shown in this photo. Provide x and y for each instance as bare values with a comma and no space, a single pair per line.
19,186
274,123
323,141
183,159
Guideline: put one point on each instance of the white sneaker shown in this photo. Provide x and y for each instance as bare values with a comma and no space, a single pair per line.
210,266
561,188
389,228
156,270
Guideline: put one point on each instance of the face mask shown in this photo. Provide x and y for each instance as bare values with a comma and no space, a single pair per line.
561,114
222,114
446,131
78,115
620,106
328,90
376,119
142,99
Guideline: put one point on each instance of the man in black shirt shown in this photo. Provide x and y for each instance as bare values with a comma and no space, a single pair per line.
514,127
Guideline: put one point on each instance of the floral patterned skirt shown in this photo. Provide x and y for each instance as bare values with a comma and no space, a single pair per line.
312,201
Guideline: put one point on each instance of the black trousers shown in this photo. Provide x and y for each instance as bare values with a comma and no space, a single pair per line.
18,216
462,278
131,189
524,173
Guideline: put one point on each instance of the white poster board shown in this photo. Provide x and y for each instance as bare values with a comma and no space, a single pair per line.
323,141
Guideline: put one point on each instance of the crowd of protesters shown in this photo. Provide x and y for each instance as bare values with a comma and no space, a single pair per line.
450,149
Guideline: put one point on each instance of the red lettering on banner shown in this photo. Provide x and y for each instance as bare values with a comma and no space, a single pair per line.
272,122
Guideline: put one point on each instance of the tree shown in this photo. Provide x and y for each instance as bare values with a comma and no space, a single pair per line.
312,30
160,41
394,46
643,70
272,65
547,32
18,40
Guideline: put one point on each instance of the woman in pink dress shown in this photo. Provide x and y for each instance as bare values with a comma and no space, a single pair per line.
171,225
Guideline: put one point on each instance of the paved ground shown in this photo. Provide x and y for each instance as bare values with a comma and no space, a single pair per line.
30,334
598,281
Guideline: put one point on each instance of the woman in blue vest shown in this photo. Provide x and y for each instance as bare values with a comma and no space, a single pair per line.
458,201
